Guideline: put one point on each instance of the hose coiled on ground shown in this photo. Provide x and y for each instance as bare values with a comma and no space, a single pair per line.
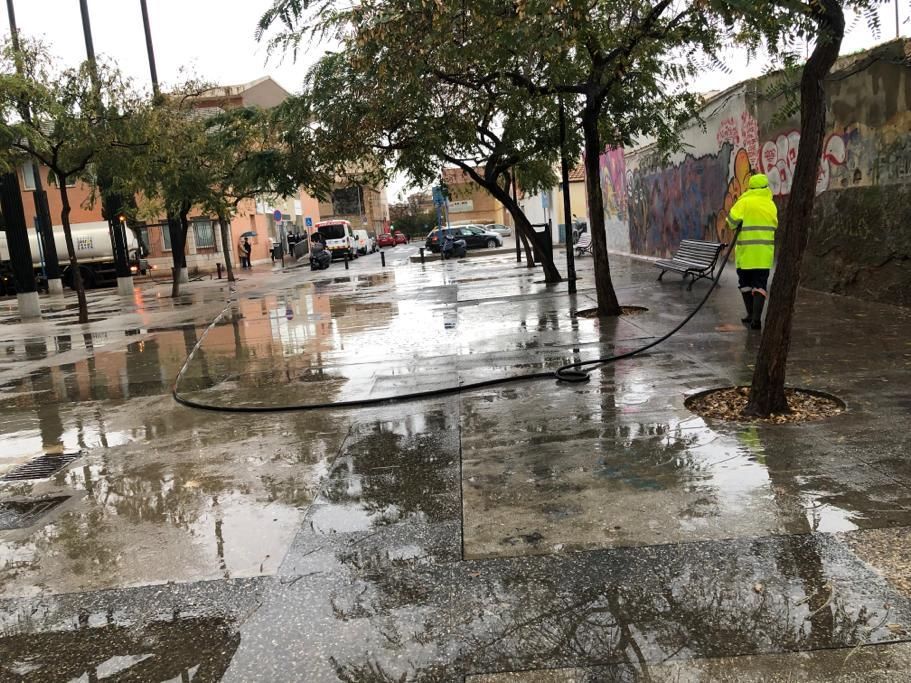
572,372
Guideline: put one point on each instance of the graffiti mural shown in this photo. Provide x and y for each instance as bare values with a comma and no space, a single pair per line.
613,182
779,159
741,132
738,182
669,204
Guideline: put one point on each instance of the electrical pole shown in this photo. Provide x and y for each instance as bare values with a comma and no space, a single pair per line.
150,50
39,197
20,253
567,208
111,203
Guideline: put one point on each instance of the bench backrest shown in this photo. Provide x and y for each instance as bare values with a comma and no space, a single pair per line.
584,240
698,252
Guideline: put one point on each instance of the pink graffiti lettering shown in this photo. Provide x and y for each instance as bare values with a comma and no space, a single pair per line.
779,159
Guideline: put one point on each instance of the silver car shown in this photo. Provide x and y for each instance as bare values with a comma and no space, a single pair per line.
499,228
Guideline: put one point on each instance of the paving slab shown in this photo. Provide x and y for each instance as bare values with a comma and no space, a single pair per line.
528,531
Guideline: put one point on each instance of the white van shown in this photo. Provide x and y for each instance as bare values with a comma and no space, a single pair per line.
339,238
365,242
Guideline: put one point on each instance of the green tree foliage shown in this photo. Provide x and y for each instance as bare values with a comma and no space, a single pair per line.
243,158
373,108
416,226
164,169
490,72
77,116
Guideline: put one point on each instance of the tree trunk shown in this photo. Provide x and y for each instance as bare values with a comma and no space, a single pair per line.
179,226
226,246
174,231
608,304
78,285
767,392
523,227
529,256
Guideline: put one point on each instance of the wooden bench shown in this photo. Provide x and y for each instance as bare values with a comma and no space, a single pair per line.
695,258
584,245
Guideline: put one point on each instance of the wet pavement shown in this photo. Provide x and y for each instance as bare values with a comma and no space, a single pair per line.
526,532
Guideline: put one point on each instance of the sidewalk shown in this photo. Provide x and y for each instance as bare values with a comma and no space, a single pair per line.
531,532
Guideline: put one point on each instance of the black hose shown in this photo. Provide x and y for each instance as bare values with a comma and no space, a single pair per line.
571,372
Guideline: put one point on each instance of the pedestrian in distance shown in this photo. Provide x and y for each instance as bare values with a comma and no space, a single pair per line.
272,248
246,249
756,214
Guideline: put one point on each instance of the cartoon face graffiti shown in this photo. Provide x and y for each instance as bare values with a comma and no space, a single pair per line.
779,159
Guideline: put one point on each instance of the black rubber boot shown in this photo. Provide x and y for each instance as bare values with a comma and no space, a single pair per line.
758,305
748,302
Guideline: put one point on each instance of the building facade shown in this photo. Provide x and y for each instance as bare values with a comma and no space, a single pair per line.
471,203
364,206
204,248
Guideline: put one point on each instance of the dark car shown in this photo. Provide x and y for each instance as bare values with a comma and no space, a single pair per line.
399,237
384,239
475,237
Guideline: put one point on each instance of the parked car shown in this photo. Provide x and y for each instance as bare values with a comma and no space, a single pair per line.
384,239
475,237
399,237
499,228
365,242
339,238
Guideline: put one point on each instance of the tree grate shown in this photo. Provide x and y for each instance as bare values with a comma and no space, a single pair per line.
41,467
19,514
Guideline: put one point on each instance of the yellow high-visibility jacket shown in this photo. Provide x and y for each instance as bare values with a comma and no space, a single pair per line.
757,215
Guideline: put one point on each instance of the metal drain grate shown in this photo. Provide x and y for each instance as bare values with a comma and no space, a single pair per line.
41,467
19,514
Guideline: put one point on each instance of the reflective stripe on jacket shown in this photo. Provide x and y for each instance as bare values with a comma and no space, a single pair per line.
757,214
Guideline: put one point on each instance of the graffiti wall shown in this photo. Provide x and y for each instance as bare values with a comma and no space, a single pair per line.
615,194
688,196
650,206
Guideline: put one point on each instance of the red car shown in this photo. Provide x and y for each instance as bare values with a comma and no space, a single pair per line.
384,239
399,237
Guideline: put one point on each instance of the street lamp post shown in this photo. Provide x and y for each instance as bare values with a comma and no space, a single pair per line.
150,50
567,209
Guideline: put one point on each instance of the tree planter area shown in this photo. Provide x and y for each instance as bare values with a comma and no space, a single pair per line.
728,404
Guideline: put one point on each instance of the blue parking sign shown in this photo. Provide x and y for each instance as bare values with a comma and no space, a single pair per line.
308,222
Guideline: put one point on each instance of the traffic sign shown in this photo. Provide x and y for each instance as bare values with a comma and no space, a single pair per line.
308,222
277,214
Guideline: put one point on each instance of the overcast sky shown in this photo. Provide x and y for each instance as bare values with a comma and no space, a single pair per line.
214,40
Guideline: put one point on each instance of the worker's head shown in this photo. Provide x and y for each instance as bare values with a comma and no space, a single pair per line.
758,181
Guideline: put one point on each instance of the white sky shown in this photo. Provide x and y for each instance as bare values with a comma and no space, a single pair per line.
214,40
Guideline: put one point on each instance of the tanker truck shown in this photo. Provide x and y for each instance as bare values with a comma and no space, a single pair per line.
94,252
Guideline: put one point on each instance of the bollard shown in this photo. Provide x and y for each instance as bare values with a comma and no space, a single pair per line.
346,260
383,258
422,255
218,268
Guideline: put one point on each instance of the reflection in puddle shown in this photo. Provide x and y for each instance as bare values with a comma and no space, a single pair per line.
180,649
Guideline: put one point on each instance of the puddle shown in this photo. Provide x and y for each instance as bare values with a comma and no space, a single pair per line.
179,649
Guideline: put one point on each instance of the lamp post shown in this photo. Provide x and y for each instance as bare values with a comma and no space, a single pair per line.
150,50
567,209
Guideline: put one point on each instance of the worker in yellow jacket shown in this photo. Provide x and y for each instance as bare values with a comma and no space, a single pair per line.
757,216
